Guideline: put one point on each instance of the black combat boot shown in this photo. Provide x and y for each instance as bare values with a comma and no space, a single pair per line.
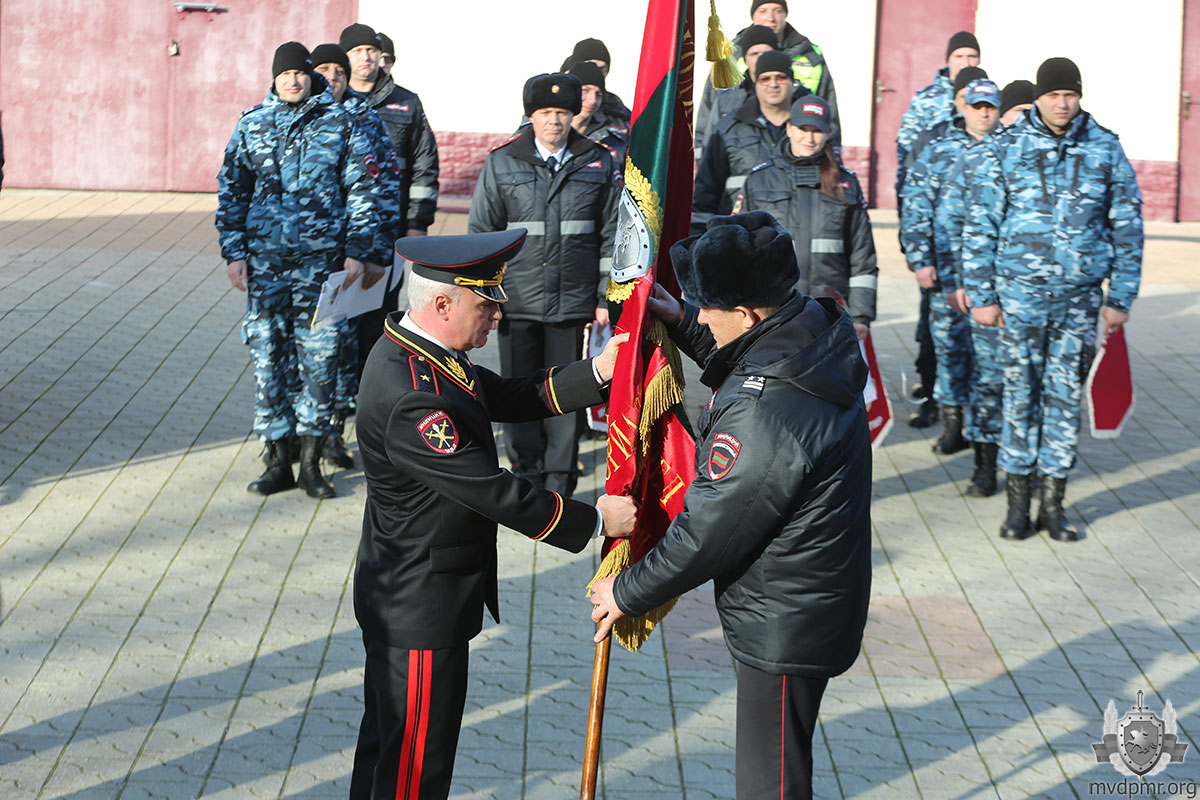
983,482
951,441
335,451
1017,525
1051,516
311,479
925,415
278,474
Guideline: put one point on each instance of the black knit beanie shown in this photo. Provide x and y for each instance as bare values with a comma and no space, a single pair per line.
1058,73
758,34
357,35
588,73
291,55
962,39
588,49
1016,93
966,75
773,61
754,4
330,54
386,44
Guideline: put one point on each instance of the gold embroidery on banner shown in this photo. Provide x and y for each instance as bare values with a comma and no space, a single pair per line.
647,200
619,292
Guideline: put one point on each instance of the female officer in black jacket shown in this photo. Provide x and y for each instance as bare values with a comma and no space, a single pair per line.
823,207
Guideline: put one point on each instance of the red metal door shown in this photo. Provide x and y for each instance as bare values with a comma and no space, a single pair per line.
141,94
1189,120
83,93
222,66
910,46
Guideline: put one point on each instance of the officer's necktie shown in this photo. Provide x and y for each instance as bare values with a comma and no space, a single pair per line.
552,163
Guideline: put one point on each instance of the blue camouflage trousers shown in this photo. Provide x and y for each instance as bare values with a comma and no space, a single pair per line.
985,415
1047,345
345,395
951,334
295,367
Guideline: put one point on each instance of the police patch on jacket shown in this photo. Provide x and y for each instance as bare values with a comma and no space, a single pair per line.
722,455
437,430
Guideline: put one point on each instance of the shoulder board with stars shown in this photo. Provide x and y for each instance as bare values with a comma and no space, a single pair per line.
506,142
753,385
424,377
445,365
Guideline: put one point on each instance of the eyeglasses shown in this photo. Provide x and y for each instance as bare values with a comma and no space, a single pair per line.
772,80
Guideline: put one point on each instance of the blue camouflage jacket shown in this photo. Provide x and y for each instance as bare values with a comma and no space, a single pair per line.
387,179
297,180
929,106
1054,212
922,193
949,215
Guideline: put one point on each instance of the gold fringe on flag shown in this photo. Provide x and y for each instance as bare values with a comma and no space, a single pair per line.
630,632
719,51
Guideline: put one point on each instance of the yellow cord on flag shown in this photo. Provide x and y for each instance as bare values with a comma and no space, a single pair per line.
719,51
629,632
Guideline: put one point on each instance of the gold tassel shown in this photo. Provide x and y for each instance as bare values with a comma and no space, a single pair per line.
719,51
629,632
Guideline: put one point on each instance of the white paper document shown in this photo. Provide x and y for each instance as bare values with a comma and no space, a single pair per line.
336,304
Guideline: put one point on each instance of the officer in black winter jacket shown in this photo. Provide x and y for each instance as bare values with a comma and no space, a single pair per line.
416,155
561,187
744,139
822,205
779,514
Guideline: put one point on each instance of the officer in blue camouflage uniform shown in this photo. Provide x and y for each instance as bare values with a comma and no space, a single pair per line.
949,329
984,410
331,62
1054,211
296,201
931,105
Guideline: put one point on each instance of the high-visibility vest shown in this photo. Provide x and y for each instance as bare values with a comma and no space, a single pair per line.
803,70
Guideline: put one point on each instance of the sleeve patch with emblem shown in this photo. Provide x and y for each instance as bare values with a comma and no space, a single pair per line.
722,455
437,431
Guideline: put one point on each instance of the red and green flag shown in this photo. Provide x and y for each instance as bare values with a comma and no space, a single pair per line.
651,454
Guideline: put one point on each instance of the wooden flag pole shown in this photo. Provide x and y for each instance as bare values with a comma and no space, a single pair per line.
591,753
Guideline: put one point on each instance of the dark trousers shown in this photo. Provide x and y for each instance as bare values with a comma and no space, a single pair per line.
370,328
776,717
409,733
547,449
926,362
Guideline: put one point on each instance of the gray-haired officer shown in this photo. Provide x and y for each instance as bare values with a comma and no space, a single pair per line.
435,494
561,186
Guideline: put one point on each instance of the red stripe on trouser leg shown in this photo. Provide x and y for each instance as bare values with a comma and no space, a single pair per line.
408,777
423,723
782,732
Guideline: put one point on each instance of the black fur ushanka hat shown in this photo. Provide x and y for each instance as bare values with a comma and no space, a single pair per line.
741,260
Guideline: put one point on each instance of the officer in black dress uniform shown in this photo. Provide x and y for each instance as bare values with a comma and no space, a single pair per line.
435,494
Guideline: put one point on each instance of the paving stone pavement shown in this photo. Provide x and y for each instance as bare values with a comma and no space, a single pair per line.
165,634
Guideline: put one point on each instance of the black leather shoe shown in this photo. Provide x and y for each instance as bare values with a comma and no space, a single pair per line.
951,440
311,480
278,475
983,481
1017,526
925,415
1051,517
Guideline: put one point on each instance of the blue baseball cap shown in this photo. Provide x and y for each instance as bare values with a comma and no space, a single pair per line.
982,90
